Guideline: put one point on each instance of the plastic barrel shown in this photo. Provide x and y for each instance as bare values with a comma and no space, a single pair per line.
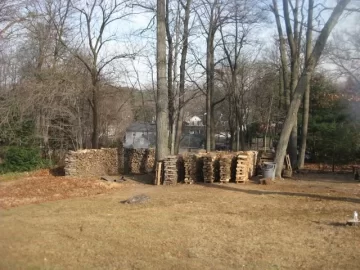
268,170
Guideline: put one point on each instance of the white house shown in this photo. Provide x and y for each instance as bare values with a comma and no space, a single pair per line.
194,121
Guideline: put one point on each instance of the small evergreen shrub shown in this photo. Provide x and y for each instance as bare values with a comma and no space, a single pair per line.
21,159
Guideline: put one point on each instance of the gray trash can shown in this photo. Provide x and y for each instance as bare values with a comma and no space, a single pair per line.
268,170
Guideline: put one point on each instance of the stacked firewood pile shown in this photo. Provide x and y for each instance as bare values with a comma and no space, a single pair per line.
208,168
211,167
92,162
139,161
170,170
225,168
180,164
252,159
190,165
242,168
200,166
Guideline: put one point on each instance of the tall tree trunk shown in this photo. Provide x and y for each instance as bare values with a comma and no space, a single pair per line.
293,41
170,66
231,139
162,123
95,116
209,90
212,126
179,128
306,100
242,136
301,86
283,56
237,138
292,147
181,103
281,93
175,83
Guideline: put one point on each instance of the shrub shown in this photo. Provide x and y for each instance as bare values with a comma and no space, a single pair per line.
20,159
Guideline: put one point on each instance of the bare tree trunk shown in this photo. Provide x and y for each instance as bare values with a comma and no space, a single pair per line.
283,57
306,100
170,66
210,75
179,126
237,145
293,40
175,83
181,102
242,136
208,120
209,92
212,126
95,119
281,103
292,147
95,131
301,86
79,140
162,123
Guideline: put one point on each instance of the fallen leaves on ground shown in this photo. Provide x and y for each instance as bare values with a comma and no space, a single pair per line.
40,186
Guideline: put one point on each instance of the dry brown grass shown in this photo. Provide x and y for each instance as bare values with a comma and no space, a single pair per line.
288,225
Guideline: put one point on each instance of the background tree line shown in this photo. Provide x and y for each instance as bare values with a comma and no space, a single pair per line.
74,74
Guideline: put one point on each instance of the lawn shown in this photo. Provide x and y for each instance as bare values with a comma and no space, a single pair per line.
288,225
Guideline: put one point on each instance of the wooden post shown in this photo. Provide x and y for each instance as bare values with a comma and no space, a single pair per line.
158,173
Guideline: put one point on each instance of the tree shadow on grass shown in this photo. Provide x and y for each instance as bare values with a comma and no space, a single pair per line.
147,179
333,223
282,193
327,177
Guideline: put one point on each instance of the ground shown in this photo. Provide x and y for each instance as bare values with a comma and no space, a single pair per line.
292,224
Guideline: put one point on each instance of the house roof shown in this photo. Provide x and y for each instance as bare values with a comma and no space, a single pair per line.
193,118
141,127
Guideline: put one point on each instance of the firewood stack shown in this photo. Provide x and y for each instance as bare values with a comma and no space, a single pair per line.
92,162
180,168
252,158
139,160
225,168
199,167
170,170
242,168
209,168
190,164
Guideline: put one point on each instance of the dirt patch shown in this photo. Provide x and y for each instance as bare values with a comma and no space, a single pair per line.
40,186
